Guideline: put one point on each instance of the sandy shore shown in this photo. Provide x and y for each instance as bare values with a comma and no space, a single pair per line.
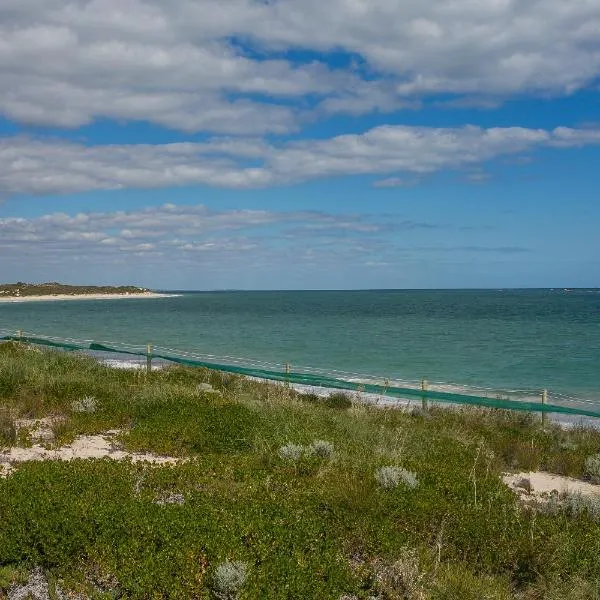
11,299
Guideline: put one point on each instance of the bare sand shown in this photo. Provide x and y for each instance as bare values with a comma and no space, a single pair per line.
104,445
46,298
538,483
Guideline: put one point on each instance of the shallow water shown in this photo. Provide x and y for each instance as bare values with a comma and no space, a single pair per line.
523,339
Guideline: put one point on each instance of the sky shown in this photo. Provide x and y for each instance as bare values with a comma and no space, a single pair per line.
300,144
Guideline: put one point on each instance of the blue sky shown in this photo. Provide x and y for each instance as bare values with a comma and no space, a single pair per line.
300,144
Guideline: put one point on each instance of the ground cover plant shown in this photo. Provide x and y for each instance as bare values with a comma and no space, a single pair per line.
278,495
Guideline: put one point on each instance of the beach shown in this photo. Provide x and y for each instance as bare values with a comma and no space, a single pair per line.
514,343
57,297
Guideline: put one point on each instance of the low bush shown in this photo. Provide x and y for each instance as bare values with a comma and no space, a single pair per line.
592,468
291,452
338,400
229,579
321,449
391,477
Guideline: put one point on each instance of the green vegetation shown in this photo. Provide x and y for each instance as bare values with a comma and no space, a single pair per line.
241,517
52,289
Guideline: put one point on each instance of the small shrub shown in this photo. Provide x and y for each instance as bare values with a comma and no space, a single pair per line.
312,398
291,452
87,404
592,468
578,504
12,577
401,579
229,580
338,400
321,448
390,477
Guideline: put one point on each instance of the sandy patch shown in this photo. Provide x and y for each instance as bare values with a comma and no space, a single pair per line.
538,484
84,446
83,297
40,430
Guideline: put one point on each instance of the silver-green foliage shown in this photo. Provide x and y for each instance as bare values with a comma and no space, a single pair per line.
292,452
87,404
578,504
390,477
321,448
229,579
592,467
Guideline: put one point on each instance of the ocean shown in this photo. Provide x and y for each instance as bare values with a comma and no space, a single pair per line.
461,339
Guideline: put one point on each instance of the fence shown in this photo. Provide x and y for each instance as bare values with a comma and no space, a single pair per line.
335,380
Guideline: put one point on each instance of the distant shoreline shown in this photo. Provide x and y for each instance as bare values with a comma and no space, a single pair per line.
60,297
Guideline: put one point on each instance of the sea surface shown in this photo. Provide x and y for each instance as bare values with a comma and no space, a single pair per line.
500,339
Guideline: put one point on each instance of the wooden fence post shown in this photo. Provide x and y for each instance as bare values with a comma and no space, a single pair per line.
288,369
149,359
424,389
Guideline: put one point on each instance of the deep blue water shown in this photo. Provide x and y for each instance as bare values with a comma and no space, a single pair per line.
502,339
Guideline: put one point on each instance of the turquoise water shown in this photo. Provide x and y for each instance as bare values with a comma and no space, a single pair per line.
523,339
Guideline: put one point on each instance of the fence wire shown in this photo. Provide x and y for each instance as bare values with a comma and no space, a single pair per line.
319,378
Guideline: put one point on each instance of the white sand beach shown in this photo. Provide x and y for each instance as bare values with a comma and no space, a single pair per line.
55,297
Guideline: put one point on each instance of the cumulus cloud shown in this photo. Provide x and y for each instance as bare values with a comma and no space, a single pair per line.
170,239
225,65
37,166
178,228
219,247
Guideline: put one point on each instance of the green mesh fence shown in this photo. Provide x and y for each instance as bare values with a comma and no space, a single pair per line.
323,381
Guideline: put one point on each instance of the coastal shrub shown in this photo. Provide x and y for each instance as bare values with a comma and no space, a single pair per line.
321,449
291,452
312,398
402,578
186,426
87,404
229,579
338,400
390,477
576,504
592,468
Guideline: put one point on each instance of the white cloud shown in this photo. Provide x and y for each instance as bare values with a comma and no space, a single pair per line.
392,182
221,65
195,235
52,166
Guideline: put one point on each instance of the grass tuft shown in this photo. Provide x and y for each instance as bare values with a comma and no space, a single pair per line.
87,404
